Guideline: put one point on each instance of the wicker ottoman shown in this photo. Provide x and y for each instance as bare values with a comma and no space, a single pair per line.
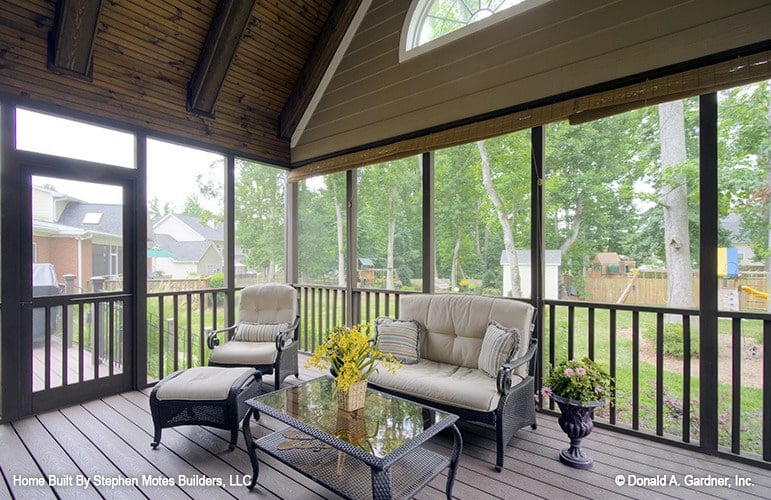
206,395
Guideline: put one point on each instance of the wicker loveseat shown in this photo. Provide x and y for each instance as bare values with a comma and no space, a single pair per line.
445,372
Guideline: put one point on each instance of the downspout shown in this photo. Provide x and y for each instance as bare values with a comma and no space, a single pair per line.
80,263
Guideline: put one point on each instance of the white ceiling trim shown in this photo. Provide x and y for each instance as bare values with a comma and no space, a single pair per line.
330,71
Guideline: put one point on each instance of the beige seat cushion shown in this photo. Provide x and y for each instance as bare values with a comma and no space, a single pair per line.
443,383
237,352
455,325
203,383
268,303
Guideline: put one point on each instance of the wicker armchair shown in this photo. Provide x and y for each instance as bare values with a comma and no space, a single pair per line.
266,334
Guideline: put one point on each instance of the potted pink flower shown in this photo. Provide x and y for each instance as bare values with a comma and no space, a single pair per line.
578,387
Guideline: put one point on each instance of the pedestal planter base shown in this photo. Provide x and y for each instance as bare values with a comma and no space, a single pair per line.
576,421
575,457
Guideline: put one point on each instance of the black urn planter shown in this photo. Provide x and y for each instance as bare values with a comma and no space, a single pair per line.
576,421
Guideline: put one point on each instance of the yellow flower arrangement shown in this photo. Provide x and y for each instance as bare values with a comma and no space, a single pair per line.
351,354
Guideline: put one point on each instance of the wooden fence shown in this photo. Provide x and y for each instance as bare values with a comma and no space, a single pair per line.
650,288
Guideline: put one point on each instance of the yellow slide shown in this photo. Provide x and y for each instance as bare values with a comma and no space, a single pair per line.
752,291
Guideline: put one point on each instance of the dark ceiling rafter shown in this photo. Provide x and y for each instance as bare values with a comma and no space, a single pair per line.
71,42
225,32
329,39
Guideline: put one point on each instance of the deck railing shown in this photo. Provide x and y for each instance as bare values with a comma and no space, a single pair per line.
651,352
76,341
177,325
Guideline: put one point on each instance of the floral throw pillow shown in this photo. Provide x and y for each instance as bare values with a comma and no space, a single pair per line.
399,337
497,347
252,332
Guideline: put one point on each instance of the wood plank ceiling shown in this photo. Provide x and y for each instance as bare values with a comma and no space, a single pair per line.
146,55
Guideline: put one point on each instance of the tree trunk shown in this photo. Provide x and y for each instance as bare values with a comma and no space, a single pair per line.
340,245
508,234
674,198
575,226
455,263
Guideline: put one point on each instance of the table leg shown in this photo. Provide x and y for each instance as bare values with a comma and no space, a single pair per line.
381,484
457,448
250,447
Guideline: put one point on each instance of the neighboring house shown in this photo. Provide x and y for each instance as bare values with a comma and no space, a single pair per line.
747,260
78,238
186,258
192,248
611,263
183,227
551,285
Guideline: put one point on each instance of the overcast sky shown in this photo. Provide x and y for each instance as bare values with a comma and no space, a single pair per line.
172,169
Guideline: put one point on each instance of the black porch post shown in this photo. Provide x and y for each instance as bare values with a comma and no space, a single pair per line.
230,238
15,400
537,249
290,233
708,283
429,243
352,254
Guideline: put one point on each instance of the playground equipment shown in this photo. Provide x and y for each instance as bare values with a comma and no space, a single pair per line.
753,292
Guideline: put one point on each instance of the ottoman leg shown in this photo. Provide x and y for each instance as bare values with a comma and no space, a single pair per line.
233,438
156,413
156,437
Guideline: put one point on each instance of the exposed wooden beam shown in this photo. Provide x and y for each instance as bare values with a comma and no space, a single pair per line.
320,57
71,42
225,32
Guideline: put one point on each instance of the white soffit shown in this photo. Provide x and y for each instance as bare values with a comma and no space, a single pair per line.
330,71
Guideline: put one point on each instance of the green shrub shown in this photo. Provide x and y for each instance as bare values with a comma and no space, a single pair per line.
673,340
217,280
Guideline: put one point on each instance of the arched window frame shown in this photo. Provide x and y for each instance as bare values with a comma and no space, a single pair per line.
416,15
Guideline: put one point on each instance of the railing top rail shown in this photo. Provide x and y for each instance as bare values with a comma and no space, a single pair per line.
622,307
186,292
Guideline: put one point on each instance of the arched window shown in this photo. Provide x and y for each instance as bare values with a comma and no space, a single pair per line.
430,23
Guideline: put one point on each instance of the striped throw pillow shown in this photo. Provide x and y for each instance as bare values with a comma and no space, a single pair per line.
252,332
400,338
497,347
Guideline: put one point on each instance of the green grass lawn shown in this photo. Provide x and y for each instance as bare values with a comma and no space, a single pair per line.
751,398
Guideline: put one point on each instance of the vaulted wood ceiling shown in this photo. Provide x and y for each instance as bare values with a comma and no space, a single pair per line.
166,66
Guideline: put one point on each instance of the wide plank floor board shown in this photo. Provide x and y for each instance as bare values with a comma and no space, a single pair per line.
110,438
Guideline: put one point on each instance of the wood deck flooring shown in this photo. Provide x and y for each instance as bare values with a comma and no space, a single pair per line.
107,441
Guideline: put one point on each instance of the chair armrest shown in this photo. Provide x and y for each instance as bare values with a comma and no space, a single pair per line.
284,338
212,339
504,380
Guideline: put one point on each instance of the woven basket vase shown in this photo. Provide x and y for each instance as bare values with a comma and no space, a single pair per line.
353,398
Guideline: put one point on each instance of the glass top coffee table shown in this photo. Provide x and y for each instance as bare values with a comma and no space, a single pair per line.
374,452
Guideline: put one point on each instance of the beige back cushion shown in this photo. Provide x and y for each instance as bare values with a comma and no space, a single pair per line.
455,325
267,304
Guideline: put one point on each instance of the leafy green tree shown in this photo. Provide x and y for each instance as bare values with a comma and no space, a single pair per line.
458,192
321,226
388,220
744,150
193,206
156,211
260,193
505,164
592,171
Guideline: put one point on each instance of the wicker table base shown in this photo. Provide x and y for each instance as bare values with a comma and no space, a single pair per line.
382,463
